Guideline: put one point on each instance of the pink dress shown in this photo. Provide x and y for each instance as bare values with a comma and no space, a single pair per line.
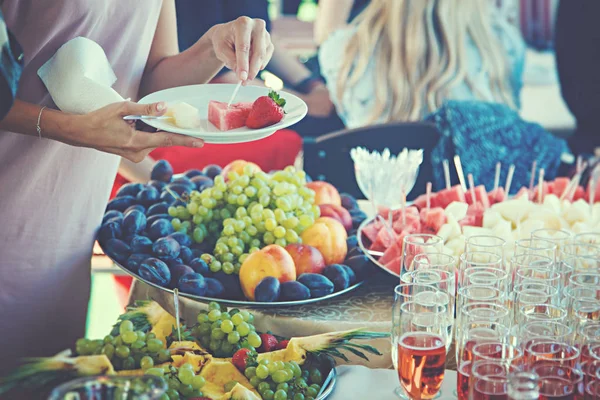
52,195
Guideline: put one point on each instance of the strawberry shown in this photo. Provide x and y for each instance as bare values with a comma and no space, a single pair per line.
269,343
266,111
244,358
282,345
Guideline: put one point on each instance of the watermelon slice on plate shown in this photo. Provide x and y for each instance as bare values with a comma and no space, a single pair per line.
421,201
227,118
447,196
383,240
579,194
559,186
523,192
480,196
432,220
496,196
372,230
476,211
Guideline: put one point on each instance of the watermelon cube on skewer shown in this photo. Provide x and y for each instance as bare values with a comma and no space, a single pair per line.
227,118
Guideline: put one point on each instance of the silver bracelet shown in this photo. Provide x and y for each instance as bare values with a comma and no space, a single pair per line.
38,127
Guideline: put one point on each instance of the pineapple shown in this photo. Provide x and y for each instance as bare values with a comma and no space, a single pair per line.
217,373
42,371
148,316
240,392
328,343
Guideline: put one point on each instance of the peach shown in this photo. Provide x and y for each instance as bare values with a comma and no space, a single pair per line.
272,261
329,237
325,193
237,166
306,258
338,213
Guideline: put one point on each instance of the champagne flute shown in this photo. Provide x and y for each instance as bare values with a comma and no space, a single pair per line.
418,244
420,335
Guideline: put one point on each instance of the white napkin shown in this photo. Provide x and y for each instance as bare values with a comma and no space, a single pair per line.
358,382
79,77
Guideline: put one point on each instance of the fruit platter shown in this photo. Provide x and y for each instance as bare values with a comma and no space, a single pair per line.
237,235
219,356
453,215
204,111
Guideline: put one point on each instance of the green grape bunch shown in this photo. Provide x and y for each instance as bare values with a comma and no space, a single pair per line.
247,212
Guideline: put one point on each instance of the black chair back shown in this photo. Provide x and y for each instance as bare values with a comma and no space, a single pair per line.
328,158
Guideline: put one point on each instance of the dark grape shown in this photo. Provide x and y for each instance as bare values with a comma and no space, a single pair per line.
159,185
319,285
350,273
120,203
212,170
214,288
338,276
177,272
135,260
186,255
179,188
153,218
167,197
155,271
199,266
160,229
138,207
171,262
192,173
134,222
148,196
348,201
231,283
183,180
112,214
110,230
162,171
158,208
361,265
140,244
129,189
267,290
182,238
193,284
166,247
293,290
351,242
202,182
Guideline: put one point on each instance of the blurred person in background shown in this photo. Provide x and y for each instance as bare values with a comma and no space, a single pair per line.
578,62
334,15
11,66
400,60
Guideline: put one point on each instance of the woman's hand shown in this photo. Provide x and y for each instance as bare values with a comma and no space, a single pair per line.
105,130
244,45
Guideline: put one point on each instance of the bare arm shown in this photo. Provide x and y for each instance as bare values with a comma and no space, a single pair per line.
243,45
332,15
103,129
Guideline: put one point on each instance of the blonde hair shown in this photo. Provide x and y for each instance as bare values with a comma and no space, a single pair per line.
419,49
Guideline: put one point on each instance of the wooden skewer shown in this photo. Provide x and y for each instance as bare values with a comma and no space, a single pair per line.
567,190
447,174
461,175
532,179
428,195
592,185
575,185
541,186
472,188
497,177
579,164
403,208
509,178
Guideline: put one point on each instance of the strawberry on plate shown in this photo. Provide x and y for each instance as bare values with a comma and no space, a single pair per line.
268,343
266,111
244,358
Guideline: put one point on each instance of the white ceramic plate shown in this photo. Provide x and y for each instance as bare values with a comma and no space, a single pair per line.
199,96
